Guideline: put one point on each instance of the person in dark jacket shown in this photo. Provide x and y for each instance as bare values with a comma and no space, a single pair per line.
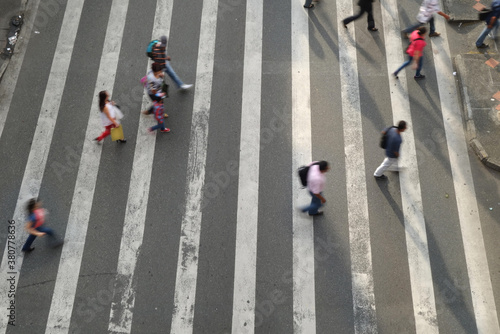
364,6
492,23
394,141
159,56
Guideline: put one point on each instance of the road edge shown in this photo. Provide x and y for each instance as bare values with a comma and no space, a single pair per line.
470,126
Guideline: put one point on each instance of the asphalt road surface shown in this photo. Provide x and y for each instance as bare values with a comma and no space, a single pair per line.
198,230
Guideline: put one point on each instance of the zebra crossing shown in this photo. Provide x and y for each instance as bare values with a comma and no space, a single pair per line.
175,252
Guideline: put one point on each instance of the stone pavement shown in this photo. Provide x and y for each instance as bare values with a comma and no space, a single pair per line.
479,81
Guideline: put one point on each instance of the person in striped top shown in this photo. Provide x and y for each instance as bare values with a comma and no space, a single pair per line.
159,55
159,115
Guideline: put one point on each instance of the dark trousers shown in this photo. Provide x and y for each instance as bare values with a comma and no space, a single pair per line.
31,238
362,10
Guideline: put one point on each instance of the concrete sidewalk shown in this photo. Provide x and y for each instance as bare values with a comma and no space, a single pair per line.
479,81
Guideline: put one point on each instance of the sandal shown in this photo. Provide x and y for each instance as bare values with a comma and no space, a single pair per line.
310,6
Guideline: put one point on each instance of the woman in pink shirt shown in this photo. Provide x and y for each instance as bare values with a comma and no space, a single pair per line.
415,52
315,184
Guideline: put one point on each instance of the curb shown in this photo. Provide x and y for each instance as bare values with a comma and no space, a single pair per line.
22,10
470,130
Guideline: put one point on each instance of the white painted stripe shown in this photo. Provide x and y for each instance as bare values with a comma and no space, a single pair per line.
42,139
475,253
304,304
365,319
248,186
121,314
187,263
76,231
424,306
9,79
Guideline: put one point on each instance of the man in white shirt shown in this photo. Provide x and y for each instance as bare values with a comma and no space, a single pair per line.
315,184
426,14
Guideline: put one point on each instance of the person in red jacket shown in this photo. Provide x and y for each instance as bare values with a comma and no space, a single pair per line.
159,115
36,218
415,52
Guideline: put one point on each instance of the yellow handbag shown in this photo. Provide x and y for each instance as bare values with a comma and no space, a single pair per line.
117,133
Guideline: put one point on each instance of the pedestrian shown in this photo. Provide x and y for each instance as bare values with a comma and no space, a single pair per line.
364,6
36,218
159,55
426,14
415,52
155,86
108,116
392,150
315,185
159,115
492,23
309,4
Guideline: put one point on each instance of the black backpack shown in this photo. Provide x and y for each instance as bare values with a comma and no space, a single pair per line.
383,139
303,171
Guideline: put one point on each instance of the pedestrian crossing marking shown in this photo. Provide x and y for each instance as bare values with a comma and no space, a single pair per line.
42,139
187,263
304,289
304,307
248,184
71,256
424,304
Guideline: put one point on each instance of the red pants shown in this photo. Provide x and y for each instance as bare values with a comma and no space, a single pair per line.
107,132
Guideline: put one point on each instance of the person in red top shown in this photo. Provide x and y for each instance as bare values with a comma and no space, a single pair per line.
36,218
415,52
159,115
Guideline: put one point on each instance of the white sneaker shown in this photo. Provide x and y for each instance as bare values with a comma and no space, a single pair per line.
184,86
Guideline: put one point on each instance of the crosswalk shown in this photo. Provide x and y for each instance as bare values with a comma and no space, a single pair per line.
198,230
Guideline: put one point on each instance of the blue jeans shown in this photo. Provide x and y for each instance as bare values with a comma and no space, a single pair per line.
32,237
412,28
170,71
314,206
408,62
486,31
160,126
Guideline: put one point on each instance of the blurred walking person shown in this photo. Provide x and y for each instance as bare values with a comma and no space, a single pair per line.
108,116
155,86
492,23
159,115
364,6
415,53
315,184
159,55
426,14
34,226
393,142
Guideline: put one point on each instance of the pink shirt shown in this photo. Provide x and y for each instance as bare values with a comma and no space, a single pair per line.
416,45
315,180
